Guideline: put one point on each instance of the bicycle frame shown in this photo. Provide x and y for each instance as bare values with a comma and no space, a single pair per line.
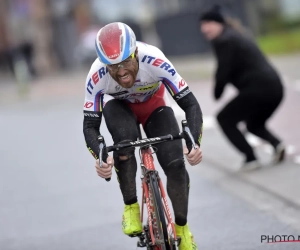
148,166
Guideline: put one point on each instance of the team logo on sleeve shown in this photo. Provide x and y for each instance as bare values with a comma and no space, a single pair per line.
182,84
88,105
182,94
159,63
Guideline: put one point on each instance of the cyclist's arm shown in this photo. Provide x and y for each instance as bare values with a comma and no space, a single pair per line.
92,110
193,113
91,133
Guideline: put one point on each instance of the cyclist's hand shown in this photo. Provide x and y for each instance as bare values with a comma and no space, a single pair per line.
106,170
194,157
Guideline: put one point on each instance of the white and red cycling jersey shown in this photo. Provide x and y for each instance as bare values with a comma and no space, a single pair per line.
156,73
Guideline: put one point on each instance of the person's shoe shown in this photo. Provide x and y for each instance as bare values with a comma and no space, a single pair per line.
250,165
187,240
131,223
279,154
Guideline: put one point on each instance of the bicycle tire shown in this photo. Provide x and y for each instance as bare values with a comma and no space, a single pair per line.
159,211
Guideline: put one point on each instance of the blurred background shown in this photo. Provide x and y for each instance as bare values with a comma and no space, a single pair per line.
56,35
50,195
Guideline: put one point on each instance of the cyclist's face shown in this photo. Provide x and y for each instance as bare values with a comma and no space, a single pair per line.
211,29
124,73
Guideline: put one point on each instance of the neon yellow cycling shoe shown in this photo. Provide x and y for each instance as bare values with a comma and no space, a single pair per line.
131,223
187,240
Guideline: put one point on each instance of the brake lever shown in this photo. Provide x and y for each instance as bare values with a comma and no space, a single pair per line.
102,148
187,131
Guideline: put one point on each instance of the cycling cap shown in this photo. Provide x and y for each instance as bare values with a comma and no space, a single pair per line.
115,42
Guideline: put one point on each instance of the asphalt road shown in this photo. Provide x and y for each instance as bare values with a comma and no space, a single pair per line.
51,197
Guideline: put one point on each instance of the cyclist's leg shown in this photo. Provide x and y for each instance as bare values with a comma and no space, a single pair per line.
170,156
121,124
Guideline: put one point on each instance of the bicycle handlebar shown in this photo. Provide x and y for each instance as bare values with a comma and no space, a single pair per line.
185,134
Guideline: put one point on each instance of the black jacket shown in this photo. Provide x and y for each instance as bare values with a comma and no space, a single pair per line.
241,63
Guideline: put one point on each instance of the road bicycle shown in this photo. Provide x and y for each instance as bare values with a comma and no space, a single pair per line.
158,230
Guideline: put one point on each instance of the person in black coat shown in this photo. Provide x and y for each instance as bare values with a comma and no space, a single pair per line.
241,63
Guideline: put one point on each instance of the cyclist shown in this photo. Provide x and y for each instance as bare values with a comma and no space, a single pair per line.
128,83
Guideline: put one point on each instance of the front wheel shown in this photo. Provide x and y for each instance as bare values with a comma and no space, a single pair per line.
159,214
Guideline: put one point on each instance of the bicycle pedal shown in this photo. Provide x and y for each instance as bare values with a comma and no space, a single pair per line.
135,235
141,244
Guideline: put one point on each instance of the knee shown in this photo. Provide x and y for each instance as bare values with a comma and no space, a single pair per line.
123,157
175,168
124,154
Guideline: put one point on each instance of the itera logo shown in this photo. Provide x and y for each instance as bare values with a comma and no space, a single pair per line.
279,238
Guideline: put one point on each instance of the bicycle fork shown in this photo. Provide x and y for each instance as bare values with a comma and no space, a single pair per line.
147,238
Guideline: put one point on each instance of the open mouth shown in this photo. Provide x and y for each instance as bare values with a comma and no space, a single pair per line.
124,78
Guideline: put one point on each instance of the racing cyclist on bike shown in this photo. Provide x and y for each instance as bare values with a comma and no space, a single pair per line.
128,82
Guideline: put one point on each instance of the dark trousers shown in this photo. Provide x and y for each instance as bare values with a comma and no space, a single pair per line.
254,108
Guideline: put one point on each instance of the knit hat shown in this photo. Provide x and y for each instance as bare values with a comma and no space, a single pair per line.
213,15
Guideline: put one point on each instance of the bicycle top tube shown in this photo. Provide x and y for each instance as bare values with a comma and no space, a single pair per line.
145,142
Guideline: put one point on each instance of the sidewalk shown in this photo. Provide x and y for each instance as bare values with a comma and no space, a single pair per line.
192,68
203,66
59,85
282,180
